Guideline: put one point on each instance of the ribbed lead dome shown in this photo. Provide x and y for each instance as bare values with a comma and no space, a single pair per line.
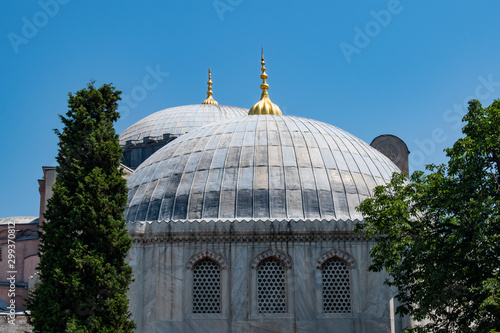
179,120
269,167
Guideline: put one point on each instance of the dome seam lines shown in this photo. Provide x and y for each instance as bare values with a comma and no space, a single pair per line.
326,169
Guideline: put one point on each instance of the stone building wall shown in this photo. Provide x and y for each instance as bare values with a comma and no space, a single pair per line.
23,261
161,296
17,325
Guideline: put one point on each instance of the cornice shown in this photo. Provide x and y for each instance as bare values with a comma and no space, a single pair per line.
188,237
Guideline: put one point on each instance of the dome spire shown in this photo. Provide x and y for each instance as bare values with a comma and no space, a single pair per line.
209,99
264,106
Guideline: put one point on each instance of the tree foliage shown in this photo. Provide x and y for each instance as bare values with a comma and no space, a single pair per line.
438,234
83,272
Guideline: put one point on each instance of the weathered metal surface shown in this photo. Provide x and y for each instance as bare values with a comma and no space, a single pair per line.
179,120
258,167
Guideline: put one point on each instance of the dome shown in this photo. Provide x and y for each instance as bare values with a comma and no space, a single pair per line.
15,220
258,167
179,120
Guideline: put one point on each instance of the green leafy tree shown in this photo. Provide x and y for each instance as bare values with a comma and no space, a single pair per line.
438,234
83,272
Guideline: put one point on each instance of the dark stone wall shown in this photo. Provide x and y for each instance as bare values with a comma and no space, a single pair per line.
394,148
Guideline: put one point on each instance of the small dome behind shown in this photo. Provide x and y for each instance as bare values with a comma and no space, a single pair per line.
149,134
179,120
258,167
15,220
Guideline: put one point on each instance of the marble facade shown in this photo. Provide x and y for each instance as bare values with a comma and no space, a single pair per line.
162,259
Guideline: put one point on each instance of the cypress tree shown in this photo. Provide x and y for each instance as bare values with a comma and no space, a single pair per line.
83,245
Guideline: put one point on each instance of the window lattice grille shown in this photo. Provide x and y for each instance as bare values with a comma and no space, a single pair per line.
271,287
206,287
336,287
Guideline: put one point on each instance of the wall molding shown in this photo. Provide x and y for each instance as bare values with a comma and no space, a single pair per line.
337,253
246,237
206,254
284,258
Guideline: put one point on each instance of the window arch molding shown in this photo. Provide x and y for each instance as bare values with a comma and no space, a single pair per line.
284,258
339,254
195,258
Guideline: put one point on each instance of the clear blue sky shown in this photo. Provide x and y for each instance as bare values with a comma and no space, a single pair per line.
369,67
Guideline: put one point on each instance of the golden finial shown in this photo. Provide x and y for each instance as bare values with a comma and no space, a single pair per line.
209,99
264,106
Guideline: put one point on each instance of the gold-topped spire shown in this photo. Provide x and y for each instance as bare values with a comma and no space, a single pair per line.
209,99
264,106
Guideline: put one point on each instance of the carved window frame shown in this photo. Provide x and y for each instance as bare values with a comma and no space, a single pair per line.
352,266
224,285
286,261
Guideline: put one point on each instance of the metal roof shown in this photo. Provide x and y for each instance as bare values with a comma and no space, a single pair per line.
265,167
179,120
19,220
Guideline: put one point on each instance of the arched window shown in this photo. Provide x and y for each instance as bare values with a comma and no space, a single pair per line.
271,287
336,286
206,287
